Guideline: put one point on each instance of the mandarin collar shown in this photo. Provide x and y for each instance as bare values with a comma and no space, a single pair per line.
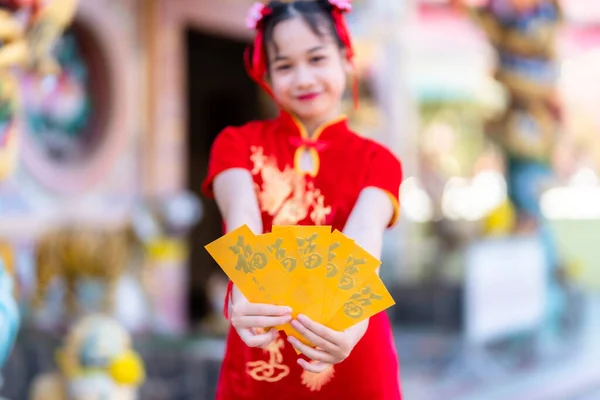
293,127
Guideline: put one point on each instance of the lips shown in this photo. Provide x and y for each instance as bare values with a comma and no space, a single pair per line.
308,96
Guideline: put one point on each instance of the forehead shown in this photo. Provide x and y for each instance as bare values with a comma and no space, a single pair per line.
294,37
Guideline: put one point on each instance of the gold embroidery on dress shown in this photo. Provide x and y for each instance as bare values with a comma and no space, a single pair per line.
315,382
258,158
320,211
285,195
273,370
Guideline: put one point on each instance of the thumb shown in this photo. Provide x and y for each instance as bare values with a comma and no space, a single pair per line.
245,334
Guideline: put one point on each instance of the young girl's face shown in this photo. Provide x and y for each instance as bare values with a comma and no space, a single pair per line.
308,71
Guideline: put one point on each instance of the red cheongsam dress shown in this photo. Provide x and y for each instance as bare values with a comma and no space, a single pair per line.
343,165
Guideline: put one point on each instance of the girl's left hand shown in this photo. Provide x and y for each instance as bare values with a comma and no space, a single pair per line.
332,347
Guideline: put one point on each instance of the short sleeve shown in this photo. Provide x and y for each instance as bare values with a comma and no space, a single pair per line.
229,150
385,173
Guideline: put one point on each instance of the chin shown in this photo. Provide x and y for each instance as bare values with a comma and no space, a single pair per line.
309,111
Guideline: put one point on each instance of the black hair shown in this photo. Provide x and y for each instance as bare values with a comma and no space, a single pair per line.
316,13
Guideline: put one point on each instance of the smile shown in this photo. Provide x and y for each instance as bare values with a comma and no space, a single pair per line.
308,96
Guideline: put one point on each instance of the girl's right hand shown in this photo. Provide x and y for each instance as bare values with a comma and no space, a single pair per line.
250,321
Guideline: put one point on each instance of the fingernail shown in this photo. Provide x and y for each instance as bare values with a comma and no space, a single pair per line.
302,317
288,310
295,323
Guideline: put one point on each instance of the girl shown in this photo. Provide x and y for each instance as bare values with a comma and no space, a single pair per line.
305,167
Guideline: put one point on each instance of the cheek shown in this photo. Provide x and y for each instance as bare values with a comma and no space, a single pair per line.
280,84
336,81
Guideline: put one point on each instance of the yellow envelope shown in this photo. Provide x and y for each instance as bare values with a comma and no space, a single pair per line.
359,267
290,331
313,248
282,245
339,250
256,273
369,300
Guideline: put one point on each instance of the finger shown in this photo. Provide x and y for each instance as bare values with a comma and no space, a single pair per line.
259,321
317,368
260,340
310,352
264,309
320,330
259,331
314,338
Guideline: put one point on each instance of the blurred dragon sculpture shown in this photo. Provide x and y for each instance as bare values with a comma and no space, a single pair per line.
28,31
156,230
523,34
77,252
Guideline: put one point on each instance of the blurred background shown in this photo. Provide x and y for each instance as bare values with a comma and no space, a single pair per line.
495,265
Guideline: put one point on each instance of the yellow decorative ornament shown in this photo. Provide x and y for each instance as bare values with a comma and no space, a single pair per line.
166,249
7,254
501,221
96,361
127,369
575,270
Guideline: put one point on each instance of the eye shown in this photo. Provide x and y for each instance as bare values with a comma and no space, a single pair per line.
282,67
317,59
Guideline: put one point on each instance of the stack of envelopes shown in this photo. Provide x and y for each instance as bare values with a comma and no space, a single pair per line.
319,273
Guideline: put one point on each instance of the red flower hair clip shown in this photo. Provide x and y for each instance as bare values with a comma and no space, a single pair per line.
342,5
256,13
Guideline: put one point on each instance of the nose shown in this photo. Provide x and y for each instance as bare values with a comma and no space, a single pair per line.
304,77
